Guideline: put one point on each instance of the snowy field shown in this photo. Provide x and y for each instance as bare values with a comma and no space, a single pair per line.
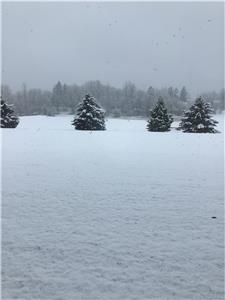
122,214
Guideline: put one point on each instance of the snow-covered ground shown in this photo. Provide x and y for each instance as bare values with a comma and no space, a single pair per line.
119,214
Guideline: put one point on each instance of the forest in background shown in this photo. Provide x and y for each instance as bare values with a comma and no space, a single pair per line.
128,101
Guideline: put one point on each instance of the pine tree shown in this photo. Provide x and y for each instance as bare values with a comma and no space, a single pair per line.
198,118
57,96
159,120
90,116
8,119
183,94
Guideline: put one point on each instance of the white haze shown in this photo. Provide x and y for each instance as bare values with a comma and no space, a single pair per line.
158,44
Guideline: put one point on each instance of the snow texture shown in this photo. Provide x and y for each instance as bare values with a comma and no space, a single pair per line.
117,214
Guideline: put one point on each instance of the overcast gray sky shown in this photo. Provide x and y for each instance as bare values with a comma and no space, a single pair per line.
148,43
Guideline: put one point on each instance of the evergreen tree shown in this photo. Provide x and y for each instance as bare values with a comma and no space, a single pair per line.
198,118
8,119
57,96
159,120
183,94
90,116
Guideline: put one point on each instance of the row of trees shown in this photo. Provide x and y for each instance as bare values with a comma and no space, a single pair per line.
197,119
128,101
90,116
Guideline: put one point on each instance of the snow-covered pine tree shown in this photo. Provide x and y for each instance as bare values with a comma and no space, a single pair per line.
159,120
90,115
8,118
198,118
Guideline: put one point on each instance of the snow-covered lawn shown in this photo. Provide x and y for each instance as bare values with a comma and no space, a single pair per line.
117,214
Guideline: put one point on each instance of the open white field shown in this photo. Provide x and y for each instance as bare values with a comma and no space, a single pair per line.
119,214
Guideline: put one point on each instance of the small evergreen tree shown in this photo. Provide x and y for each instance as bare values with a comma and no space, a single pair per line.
90,116
198,118
8,119
159,120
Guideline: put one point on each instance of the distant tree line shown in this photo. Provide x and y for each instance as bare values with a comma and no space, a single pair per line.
127,101
90,116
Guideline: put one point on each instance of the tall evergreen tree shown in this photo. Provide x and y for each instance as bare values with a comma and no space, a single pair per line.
183,94
57,95
8,118
90,115
198,118
159,120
